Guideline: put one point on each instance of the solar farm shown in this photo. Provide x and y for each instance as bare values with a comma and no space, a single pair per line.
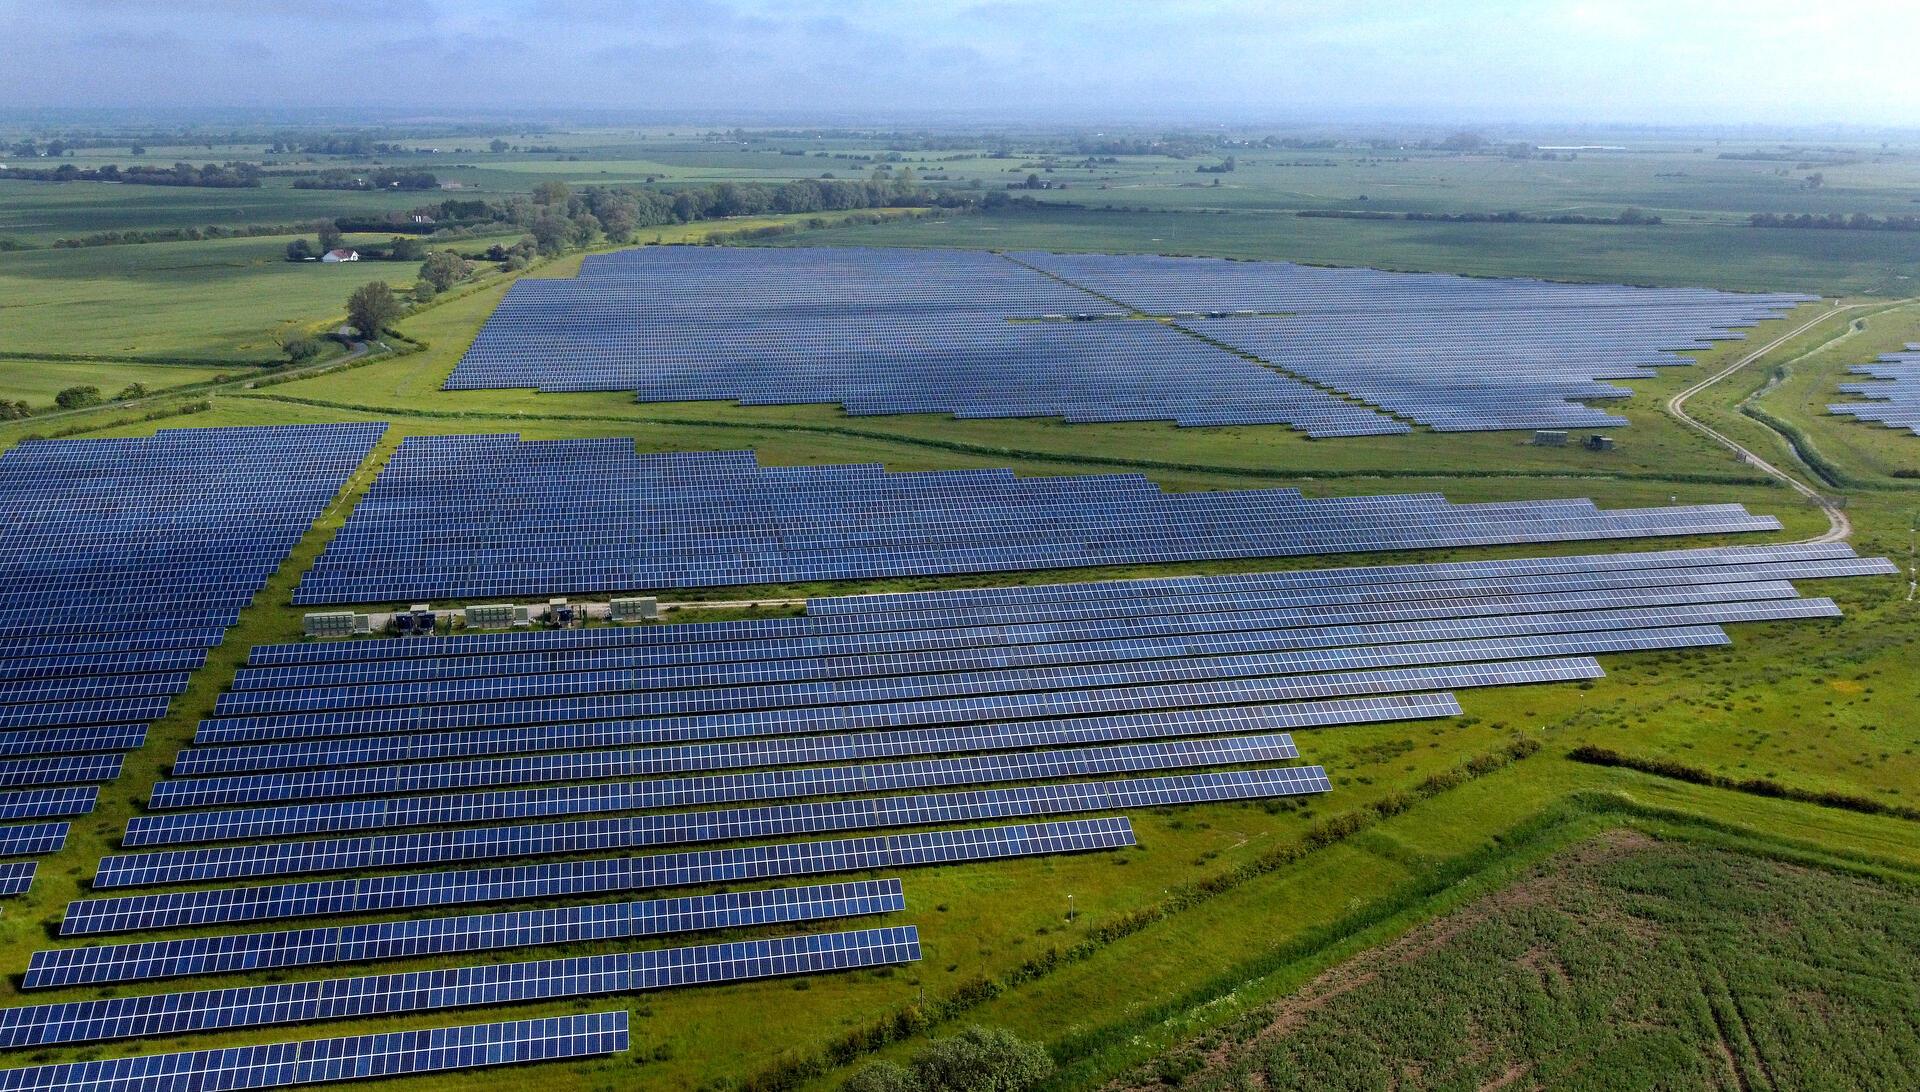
1078,741
412,827
1197,341
1893,395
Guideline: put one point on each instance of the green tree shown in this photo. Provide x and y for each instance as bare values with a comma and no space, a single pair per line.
78,397
372,308
329,235
14,410
552,192
405,248
132,391
443,269
550,234
497,146
299,251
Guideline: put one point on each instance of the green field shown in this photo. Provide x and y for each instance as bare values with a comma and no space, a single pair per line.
1623,963
1225,910
213,300
35,382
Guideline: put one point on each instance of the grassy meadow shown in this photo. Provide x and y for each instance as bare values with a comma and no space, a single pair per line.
1121,962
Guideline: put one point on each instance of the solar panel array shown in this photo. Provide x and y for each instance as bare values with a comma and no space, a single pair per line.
978,334
353,1057
509,772
121,563
1894,395
879,331
495,515
1453,353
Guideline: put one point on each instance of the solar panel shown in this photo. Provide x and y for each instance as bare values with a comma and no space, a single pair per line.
353,1057
408,811
16,877
254,861
519,883
974,334
453,935
326,757
467,516
960,710
459,987
123,561
32,839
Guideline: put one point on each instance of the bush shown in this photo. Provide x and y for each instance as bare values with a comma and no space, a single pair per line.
301,349
14,411
78,397
976,1060
131,391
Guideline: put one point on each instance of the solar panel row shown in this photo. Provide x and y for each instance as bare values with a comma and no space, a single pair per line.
258,860
1892,398
461,987
455,935
353,1057
413,811
521,883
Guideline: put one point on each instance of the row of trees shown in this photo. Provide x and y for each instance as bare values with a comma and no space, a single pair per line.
1835,221
212,175
80,396
384,178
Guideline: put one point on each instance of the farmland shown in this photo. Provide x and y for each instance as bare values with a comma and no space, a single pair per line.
1446,847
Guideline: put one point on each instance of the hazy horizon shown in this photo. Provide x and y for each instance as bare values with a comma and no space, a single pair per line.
1709,64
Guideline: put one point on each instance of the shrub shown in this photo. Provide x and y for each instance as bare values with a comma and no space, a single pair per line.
78,397
976,1060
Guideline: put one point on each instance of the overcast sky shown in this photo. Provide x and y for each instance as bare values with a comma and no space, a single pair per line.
1658,61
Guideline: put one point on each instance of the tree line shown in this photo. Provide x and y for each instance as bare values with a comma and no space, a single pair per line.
385,178
212,175
1628,217
1835,221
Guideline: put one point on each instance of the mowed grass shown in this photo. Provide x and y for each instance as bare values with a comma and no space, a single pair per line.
213,300
1623,963
36,382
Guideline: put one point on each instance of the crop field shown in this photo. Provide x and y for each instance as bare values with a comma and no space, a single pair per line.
1624,962
1783,770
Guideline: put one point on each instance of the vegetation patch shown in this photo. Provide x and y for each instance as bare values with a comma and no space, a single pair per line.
1623,963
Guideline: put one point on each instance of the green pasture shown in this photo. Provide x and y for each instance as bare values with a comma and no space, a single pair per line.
36,382
215,300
